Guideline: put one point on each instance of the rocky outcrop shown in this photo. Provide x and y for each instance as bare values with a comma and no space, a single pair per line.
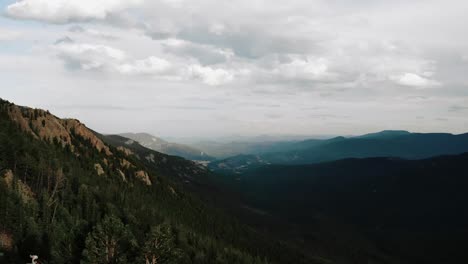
122,175
43,125
143,176
126,151
81,130
125,163
99,169
40,124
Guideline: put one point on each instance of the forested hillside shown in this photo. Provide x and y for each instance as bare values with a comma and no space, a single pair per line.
69,197
413,209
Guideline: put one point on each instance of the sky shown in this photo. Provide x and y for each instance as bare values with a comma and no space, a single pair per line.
212,68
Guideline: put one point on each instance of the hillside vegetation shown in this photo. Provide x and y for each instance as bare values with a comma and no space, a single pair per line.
69,197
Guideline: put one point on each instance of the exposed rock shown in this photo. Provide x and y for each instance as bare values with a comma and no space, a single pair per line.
122,175
125,163
143,176
43,125
126,151
40,124
99,169
81,130
150,158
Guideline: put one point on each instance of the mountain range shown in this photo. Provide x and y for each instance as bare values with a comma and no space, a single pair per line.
401,144
175,149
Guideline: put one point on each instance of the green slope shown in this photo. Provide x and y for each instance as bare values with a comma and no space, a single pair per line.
412,209
63,191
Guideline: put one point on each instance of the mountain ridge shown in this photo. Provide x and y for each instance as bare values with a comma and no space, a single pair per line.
381,144
169,148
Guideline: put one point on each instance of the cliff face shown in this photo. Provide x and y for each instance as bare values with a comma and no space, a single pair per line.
81,130
43,125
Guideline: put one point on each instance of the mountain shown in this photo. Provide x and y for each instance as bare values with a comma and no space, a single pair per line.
67,194
386,134
383,144
226,149
415,209
165,147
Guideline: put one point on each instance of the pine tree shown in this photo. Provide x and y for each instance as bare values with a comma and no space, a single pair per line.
160,246
109,242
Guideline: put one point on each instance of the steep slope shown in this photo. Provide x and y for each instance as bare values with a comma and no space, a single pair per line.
411,208
64,191
160,145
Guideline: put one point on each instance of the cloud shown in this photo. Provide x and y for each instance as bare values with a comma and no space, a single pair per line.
205,54
102,58
346,56
66,11
88,56
91,32
65,39
209,75
7,35
458,108
414,80
314,69
150,65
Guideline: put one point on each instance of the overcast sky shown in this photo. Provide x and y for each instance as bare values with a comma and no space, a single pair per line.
185,68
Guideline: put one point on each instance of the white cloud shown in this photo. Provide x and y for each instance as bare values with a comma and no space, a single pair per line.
414,80
150,65
205,54
65,11
288,53
313,69
91,32
209,75
96,58
89,56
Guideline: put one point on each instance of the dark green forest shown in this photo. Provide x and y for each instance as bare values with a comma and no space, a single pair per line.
411,209
55,204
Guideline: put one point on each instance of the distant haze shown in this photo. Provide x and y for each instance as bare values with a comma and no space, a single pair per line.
219,69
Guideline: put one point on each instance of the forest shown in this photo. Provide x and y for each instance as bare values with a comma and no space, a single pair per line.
54,203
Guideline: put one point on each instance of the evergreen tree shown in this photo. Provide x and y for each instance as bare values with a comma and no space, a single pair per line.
160,246
109,243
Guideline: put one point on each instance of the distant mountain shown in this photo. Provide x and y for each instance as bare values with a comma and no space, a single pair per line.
169,148
385,134
383,144
226,149
411,208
